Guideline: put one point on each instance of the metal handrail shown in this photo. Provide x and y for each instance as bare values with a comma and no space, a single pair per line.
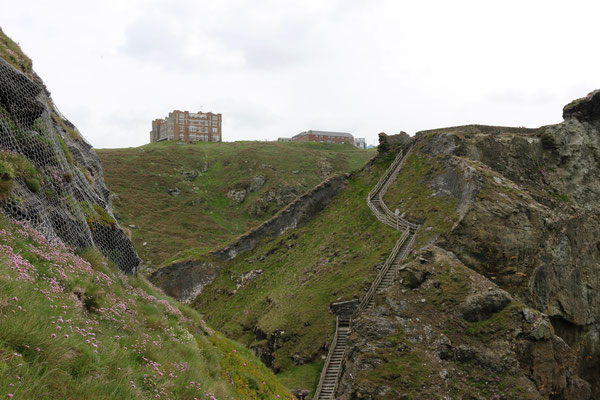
327,360
386,216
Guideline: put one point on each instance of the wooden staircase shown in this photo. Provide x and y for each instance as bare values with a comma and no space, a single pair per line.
333,364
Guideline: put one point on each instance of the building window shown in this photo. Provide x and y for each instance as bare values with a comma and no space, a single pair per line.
215,130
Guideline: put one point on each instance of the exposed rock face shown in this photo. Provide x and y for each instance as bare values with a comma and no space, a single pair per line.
189,175
56,178
586,108
257,182
416,343
528,218
275,199
540,196
296,214
238,196
482,306
245,278
389,142
185,281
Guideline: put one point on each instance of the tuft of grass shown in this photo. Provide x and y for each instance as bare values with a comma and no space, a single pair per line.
11,52
74,327
66,151
33,184
411,194
13,166
69,129
95,214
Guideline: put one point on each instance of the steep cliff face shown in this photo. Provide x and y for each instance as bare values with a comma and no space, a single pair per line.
520,208
49,175
444,331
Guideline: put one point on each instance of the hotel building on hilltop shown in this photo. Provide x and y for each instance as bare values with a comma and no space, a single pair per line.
187,127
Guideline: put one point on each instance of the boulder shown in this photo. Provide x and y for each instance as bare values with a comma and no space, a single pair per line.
237,195
480,307
189,175
257,182
174,192
585,108
388,142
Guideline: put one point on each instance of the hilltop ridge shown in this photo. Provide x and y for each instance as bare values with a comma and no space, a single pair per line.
535,187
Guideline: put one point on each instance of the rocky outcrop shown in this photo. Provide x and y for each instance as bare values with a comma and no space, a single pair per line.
586,108
293,216
417,343
186,280
275,199
53,179
389,142
525,216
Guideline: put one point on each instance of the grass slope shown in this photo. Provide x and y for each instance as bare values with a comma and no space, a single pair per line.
202,217
331,258
73,327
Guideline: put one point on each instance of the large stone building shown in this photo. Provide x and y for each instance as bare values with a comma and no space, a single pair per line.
188,127
323,137
326,137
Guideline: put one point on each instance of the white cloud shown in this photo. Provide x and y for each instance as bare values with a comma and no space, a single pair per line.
275,68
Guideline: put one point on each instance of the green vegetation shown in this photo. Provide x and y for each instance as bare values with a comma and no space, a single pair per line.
94,214
12,53
73,327
202,217
412,194
500,321
33,184
406,370
14,165
71,131
65,149
303,271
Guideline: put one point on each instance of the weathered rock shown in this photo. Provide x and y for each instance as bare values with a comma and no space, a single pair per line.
300,394
482,306
294,215
185,280
389,142
174,192
424,349
275,199
257,182
585,108
189,175
246,277
237,195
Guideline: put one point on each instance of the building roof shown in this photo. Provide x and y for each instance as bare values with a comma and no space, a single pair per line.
324,133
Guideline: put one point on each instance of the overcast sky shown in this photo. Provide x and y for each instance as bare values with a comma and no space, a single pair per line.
276,68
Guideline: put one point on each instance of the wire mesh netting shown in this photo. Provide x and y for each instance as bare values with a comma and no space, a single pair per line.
50,178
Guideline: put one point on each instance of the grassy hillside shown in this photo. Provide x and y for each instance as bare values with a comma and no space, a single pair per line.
72,327
202,216
283,312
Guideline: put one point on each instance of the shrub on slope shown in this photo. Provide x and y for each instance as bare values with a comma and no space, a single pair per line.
73,327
